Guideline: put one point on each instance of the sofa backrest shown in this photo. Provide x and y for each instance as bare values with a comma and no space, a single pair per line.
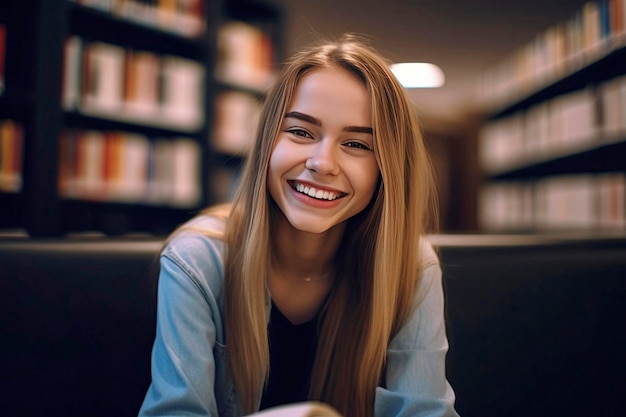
535,324
78,325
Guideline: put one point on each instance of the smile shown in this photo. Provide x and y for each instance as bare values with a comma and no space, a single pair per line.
316,193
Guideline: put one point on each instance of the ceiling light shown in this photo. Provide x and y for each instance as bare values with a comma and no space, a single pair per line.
418,74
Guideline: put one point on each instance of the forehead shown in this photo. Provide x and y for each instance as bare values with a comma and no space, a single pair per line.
333,93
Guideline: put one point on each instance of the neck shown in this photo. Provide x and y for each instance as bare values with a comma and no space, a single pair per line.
301,255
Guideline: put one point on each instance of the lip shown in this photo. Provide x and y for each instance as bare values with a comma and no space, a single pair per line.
315,202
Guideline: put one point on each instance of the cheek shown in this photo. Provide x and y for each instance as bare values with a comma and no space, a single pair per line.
368,180
281,156
273,175
279,165
275,163
372,174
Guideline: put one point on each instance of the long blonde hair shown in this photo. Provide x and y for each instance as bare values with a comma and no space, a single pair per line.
379,264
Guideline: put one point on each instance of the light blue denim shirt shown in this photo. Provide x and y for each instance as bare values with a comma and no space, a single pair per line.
190,373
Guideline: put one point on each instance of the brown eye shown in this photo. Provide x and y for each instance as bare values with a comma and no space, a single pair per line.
357,145
300,132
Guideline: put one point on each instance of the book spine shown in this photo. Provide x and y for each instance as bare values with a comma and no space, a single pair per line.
236,117
115,166
246,55
590,33
185,18
569,202
134,86
71,82
11,156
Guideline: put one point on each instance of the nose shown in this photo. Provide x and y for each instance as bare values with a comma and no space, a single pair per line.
323,159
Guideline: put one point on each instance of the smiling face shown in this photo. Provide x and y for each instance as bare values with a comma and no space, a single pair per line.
323,170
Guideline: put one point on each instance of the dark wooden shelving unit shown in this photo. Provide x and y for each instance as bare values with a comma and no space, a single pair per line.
34,58
543,158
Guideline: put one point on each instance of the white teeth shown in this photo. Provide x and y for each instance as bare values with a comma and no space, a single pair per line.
319,194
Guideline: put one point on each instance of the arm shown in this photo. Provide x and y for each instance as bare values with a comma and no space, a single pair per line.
416,384
184,358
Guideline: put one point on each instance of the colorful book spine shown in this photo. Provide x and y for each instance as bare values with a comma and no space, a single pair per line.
133,86
245,56
183,17
114,166
568,123
11,156
596,29
567,202
236,117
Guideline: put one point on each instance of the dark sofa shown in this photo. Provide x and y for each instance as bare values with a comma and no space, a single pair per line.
536,325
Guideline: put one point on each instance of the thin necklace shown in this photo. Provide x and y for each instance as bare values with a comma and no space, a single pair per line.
318,278
308,278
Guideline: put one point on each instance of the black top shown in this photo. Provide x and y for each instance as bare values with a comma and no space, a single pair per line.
292,351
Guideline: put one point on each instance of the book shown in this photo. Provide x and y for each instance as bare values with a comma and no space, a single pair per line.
141,84
304,409
563,202
129,167
245,55
236,117
11,147
185,173
181,17
596,29
71,81
135,86
182,86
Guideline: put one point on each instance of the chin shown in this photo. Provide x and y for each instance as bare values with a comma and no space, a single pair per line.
313,225
306,227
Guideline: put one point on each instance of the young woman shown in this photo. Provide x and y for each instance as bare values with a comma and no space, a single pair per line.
316,284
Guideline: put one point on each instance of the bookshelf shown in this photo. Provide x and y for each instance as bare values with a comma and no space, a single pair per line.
553,145
250,47
108,110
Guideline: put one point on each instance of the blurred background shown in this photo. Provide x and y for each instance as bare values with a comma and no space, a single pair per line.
122,119
128,116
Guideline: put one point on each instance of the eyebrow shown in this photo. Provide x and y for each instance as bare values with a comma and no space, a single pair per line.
317,122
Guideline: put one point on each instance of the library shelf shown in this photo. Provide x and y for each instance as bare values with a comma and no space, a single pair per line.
609,63
78,68
552,143
607,156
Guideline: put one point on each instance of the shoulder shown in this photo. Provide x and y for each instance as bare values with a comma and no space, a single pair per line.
430,269
425,319
198,250
429,276
427,254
